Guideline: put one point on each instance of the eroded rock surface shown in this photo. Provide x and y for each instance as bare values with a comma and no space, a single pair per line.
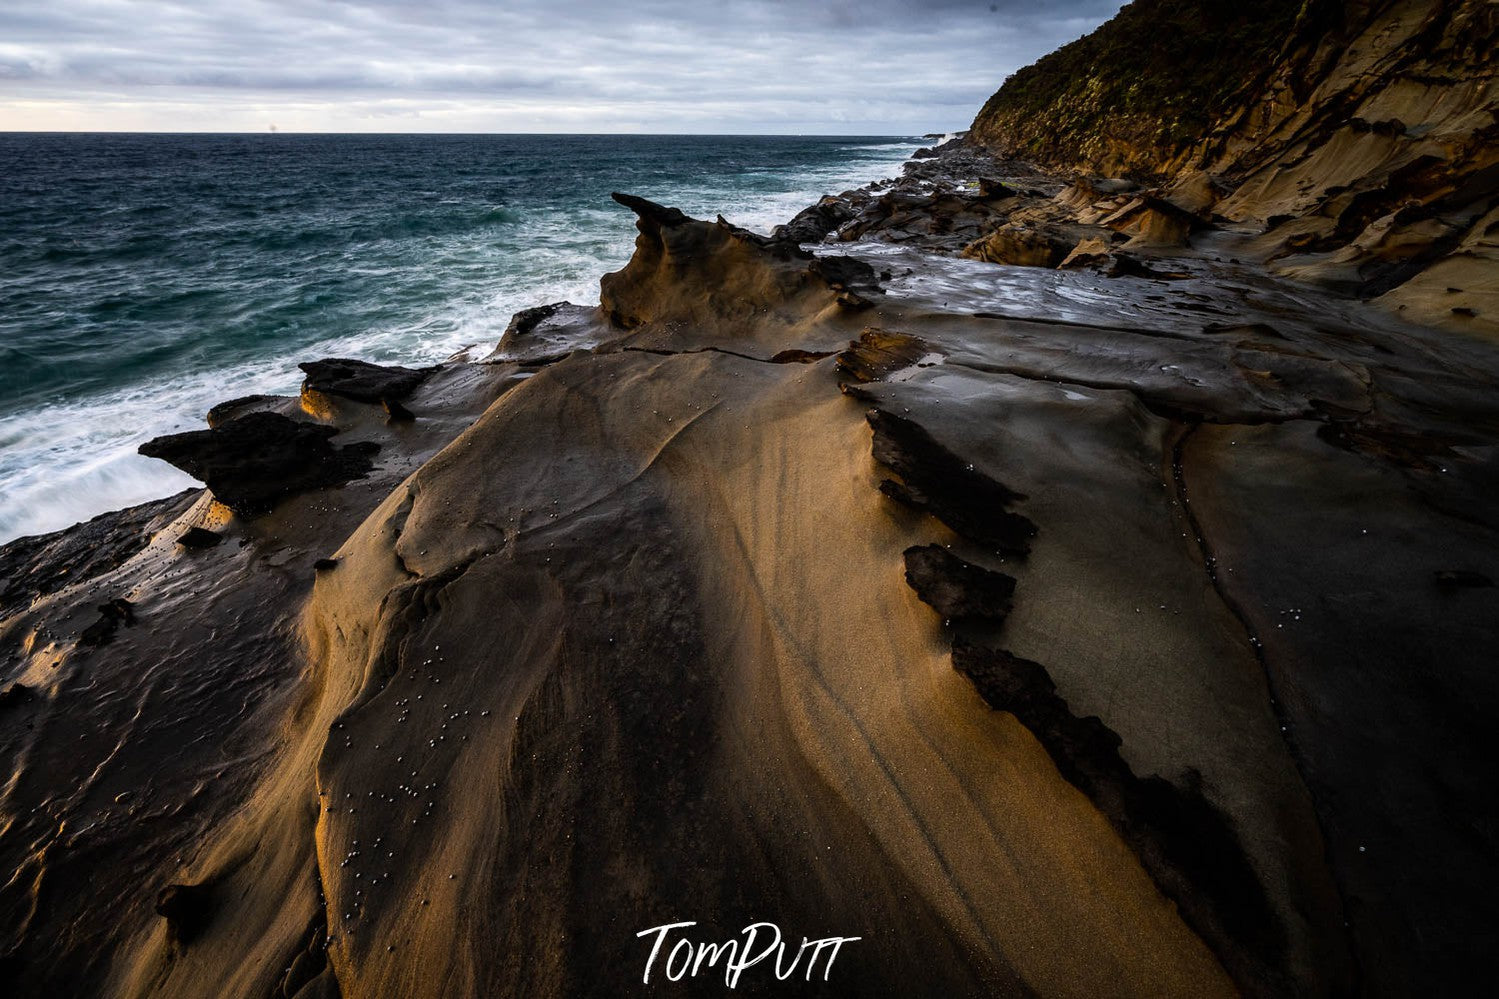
1056,633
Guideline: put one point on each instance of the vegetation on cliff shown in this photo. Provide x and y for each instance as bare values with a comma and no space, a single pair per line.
1141,89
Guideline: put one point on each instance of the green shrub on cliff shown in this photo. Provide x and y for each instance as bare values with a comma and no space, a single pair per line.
1142,88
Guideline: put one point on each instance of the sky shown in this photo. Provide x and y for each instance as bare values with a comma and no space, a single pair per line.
878,67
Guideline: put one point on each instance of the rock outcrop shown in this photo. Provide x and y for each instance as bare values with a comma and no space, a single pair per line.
254,461
1360,138
718,276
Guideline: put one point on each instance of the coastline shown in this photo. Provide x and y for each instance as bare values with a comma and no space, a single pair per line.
912,597
129,317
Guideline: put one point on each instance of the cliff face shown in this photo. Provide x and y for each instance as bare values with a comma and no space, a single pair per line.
1138,93
1360,138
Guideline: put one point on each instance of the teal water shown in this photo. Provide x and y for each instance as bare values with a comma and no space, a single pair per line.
144,278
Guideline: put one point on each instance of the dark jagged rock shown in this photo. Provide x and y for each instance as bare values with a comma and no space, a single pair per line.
361,381
254,462
1126,265
548,333
524,322
994,189
15,695
879,353
846,274
1190,847
34,567
796,355
198,538
186,908
813,224
395,412
938,481
112,615
719,276
956,589
226,411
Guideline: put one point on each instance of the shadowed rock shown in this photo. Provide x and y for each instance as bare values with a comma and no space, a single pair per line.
1021,246
112,615
719,276
186,908
256,461
14,695
1462,579
395,412
813,224
939,482
198,538
226,411
879,353
956,589
360,380
34,567
1189,847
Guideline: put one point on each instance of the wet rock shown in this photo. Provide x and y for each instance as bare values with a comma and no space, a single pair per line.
994,189
112,615
226,411
15,695
847,274
548,333
524,322
956,589
1462,579
1126,265
34,567
199,538
186,908
815,223
254,462
798,356
879,353
1189,847
936,480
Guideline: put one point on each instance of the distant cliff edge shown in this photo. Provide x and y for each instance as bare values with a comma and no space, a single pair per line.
1361,137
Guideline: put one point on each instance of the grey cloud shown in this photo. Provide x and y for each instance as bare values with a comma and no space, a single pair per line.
772,65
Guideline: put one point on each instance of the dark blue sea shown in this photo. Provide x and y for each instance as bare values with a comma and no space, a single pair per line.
144,278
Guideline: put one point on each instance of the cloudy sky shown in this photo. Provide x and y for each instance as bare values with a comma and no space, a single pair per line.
808,66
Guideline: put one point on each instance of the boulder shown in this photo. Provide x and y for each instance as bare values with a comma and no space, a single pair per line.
1020,246
813,224
720,276
361,381
255,461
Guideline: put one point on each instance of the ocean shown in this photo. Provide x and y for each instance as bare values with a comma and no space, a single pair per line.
144,278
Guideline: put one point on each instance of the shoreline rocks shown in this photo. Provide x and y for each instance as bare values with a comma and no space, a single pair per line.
255,461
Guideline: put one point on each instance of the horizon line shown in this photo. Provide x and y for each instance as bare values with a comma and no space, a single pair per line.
289,132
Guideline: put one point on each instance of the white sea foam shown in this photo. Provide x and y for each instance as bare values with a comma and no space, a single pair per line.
65,462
